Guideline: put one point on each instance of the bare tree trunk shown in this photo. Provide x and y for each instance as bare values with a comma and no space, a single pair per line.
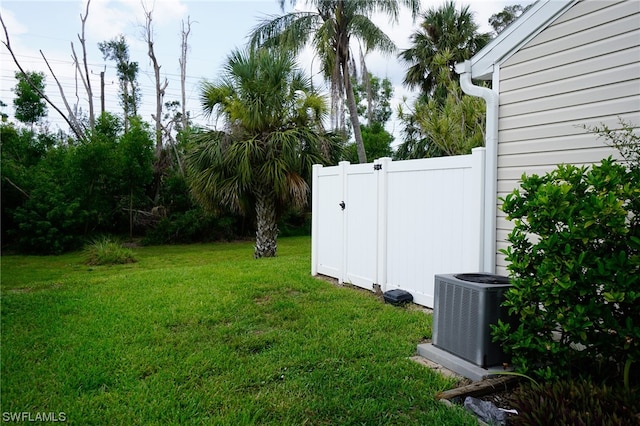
183,72
126,105
173,143
160,87
267,224
353,114
87,77
366,84
102,92
160,165
342,70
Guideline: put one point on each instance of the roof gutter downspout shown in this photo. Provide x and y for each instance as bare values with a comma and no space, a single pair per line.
491,163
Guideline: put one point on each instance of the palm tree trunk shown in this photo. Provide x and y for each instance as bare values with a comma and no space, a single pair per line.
353,114
267,224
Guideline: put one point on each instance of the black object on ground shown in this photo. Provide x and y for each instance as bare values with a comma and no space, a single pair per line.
397,296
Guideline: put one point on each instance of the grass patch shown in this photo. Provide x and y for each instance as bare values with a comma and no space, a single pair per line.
205,334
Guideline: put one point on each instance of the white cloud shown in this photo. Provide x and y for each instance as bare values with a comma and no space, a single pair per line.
108,18
12,23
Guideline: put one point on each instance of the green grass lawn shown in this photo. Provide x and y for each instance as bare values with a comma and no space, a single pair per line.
205,334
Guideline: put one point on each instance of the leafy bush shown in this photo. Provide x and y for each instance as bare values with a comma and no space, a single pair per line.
575,268
49,219
191,226
573,403
57,192
294,223
105,251
187,222
48,223
377,144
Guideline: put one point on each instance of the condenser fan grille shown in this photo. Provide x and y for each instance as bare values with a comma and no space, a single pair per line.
463,313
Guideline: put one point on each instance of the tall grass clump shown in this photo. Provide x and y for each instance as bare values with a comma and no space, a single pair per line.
106,251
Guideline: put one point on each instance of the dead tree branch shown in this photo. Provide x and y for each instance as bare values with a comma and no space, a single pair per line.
22,191
71,120
160,86
76,127
174,144
183,70
86,80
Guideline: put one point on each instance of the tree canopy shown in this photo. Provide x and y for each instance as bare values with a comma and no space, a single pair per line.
453,126
501,20
330,28
117,50
30,108
443,29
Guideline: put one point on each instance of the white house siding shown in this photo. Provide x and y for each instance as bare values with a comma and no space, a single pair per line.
583,69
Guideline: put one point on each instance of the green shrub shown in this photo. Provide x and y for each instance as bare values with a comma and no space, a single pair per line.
574,261
186,221
294,224
49,221
192,226
105,251
573,403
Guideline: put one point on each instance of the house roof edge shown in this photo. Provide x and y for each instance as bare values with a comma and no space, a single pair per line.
532,22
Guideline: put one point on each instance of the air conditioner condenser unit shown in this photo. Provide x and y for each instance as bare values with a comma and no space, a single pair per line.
465,305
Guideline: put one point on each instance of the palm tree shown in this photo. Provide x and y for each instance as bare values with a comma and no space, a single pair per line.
272,137
329,28
436,127
442,29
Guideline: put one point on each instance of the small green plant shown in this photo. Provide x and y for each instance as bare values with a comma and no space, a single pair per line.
624,139
568,402
105,251
575,268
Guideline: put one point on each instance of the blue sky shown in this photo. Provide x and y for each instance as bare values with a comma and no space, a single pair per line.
218,26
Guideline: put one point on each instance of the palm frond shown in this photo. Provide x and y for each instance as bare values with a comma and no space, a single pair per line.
442,28
203,166
368,8
298,190
212,95
288,32
371,35
324,45
274,133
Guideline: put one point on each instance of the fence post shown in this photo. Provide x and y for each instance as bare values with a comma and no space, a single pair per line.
381,228
478,157
343,168
314,218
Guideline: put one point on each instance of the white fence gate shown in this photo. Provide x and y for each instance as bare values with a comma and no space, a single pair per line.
398,223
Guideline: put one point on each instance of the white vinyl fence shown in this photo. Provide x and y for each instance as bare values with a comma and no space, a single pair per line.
398,223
